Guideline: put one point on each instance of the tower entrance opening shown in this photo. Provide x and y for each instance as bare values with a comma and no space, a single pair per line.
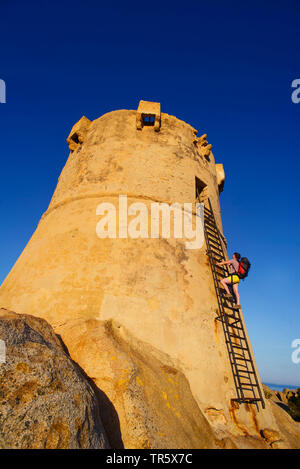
201,194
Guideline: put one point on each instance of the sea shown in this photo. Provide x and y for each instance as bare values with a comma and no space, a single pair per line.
280,387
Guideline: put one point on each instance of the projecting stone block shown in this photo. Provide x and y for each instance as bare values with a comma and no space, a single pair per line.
148,114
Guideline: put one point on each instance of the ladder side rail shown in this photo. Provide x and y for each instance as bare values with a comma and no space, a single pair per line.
253,370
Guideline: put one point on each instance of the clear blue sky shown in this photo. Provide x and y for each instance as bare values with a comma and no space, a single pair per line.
224,67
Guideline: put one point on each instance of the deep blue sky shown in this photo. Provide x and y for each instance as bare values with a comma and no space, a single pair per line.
224,67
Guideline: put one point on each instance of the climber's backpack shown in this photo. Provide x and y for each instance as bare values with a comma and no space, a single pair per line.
244,268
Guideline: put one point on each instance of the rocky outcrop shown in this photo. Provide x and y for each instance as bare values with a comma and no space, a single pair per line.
145,401
45,401
289,429
153,406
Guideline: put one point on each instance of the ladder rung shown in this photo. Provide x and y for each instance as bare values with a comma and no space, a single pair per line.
216,252
224,292
215,256
215,259
245,389
241,375
212,233
216,243
216,249
212,230
209,224
240,364
239,347
221,258
230,316
247,371
208,213
211,242
236,327
249,384
209,221
222,274
231,307
236,336
221,268
247,399
233,325
241,358
245,377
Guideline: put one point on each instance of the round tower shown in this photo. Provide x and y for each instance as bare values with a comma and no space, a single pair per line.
77,268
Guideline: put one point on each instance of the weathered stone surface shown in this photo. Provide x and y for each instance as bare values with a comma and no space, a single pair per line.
289,429
153,406
271,436
45,401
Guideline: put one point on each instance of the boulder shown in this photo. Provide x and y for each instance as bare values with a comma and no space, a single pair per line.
153,406
45,400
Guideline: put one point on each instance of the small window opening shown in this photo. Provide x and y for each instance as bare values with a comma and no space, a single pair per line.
75,138
148,119
201,192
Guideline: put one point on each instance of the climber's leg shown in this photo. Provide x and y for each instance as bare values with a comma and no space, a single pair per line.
236,292
224,282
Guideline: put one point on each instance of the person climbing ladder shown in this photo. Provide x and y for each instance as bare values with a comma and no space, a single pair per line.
233,279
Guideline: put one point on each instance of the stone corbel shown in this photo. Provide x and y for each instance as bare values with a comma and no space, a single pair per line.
220,176
204,146
78,133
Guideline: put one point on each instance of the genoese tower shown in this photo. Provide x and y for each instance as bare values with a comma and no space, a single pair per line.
137,311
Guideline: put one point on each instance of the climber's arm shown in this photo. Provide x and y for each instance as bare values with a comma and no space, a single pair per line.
225,262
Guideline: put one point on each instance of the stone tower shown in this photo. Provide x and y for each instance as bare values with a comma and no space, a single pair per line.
132,310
